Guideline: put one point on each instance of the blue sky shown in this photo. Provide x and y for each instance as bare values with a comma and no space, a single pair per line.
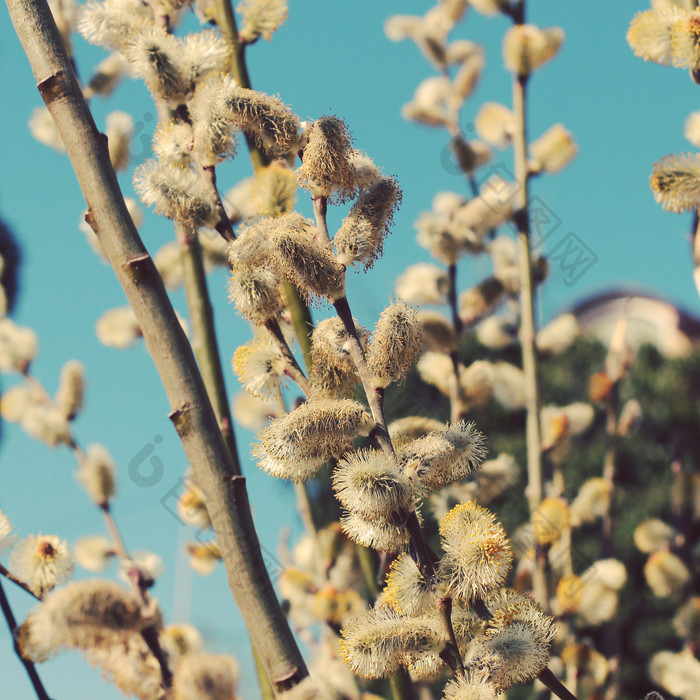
330,58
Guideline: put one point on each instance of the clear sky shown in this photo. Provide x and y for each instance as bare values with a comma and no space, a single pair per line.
330,57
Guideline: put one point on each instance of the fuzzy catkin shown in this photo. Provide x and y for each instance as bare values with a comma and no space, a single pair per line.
327,160
395,344
361,236
271,123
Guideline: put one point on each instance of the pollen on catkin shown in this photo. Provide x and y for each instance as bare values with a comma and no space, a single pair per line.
650,33
260,367
327,168
361,235
407,590
478,554
675,182
294,447
42,562
395,345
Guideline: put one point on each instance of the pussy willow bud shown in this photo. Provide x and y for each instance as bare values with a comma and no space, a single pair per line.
375,643
96,474
295,446
260,18
327,166
651,33
274,190
438,333
409,428
653,535
267,119
515,647
395,344
113,23
118,328
212,132
361,236
423,283
260,367
69,397
382,536
83,615
430,102
178,193
526,47
443,457
106,77
478,302
666,574
495,124
553,151
120,128
18,346
286,245
407,591
206,677
371,485
333,371
464,83
675,182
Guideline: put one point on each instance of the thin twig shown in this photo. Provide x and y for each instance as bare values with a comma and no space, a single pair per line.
28,665
204,340
555,685
445,612
293,370
320,210
527,308
223,225
11,577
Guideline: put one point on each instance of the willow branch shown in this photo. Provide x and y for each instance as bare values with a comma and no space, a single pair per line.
555,685
301,316
18,582
445,612
293,369
191,412
320,210
28,665
223,225
527,308
226,20
204,341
